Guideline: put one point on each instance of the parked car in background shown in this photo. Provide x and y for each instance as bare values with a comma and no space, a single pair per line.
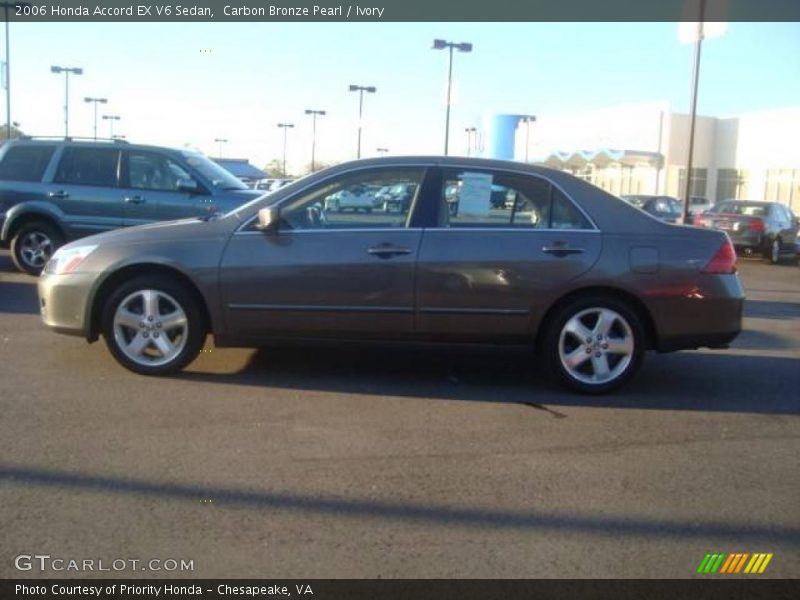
698,204
55,190
755,227
398,198
356,198
666,208
584,279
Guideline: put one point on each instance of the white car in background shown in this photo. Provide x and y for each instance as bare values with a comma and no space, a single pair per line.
358,198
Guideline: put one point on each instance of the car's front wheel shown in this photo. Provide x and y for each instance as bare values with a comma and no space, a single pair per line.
33,245
594,344
153,326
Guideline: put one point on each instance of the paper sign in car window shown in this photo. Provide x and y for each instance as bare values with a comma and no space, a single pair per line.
475,197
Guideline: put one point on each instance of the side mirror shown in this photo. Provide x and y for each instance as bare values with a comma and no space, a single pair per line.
187,185
268,219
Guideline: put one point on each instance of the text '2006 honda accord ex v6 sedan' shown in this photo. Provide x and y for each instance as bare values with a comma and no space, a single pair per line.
559,266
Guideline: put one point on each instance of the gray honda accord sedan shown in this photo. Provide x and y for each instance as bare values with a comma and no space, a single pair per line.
558,266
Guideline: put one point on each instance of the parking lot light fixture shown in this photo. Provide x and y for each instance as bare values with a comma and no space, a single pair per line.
528,119
219,142
96,101
111,119
370,89
469,131
66,70
450,46
286,127
314,114
382,151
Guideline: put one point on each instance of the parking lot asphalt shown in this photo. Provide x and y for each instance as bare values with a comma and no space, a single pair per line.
346,463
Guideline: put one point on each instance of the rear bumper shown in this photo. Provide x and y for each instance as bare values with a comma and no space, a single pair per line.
63,302
707,316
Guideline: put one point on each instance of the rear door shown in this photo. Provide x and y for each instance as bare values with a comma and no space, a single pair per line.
487,266
325,273
85,188
151,191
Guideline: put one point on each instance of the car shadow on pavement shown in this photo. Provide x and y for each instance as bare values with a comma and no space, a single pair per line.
19,298
692,381
444,515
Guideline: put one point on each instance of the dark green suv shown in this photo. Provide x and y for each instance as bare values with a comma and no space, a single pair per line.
52,191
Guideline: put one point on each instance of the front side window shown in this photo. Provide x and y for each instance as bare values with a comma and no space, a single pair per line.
366,199
485,199
150,171
25,163
88,166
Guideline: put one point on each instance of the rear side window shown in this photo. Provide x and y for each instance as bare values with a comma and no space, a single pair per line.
25,163
89,166
485,199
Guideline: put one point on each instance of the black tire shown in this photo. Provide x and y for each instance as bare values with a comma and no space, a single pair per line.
772,253
551,340
189,303
20,248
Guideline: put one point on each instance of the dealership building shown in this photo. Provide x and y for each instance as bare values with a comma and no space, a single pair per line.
643,149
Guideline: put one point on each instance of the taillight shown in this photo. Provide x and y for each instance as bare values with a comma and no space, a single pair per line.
756,225
724,261
699,221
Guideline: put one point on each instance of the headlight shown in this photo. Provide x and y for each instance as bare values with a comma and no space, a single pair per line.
67,260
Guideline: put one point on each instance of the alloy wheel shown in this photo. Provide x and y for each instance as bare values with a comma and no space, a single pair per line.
36,248
596,345
150,327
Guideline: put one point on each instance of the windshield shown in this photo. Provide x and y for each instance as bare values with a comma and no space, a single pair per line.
748,210
219,177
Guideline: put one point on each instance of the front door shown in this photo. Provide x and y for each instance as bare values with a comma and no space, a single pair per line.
327,269
150,190
504,243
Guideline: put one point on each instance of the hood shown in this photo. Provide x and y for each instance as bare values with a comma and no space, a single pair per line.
194,228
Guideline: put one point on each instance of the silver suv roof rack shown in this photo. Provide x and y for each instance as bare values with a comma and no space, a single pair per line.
72,139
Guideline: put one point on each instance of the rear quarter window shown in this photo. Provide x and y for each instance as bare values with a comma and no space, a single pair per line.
25,163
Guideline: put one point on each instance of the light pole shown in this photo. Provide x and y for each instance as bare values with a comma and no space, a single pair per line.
286,127
6,6
461,47
111,119
370,89
219,142
96,101
528,119
314,114
66,71
469,131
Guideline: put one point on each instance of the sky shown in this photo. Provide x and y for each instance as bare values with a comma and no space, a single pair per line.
189,83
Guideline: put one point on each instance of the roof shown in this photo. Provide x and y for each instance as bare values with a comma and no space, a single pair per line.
241,168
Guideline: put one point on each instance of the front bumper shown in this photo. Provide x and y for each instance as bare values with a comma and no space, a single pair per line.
63,302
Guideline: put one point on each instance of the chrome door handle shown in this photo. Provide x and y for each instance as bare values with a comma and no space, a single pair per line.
388,251
561,251
60,194
135,200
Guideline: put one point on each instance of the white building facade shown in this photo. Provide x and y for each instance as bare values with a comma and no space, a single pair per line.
643,149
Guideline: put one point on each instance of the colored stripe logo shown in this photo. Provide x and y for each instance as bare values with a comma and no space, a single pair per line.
735,563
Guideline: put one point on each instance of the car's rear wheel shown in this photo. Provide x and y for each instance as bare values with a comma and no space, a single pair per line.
153,326
33,245
774,253
594,344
